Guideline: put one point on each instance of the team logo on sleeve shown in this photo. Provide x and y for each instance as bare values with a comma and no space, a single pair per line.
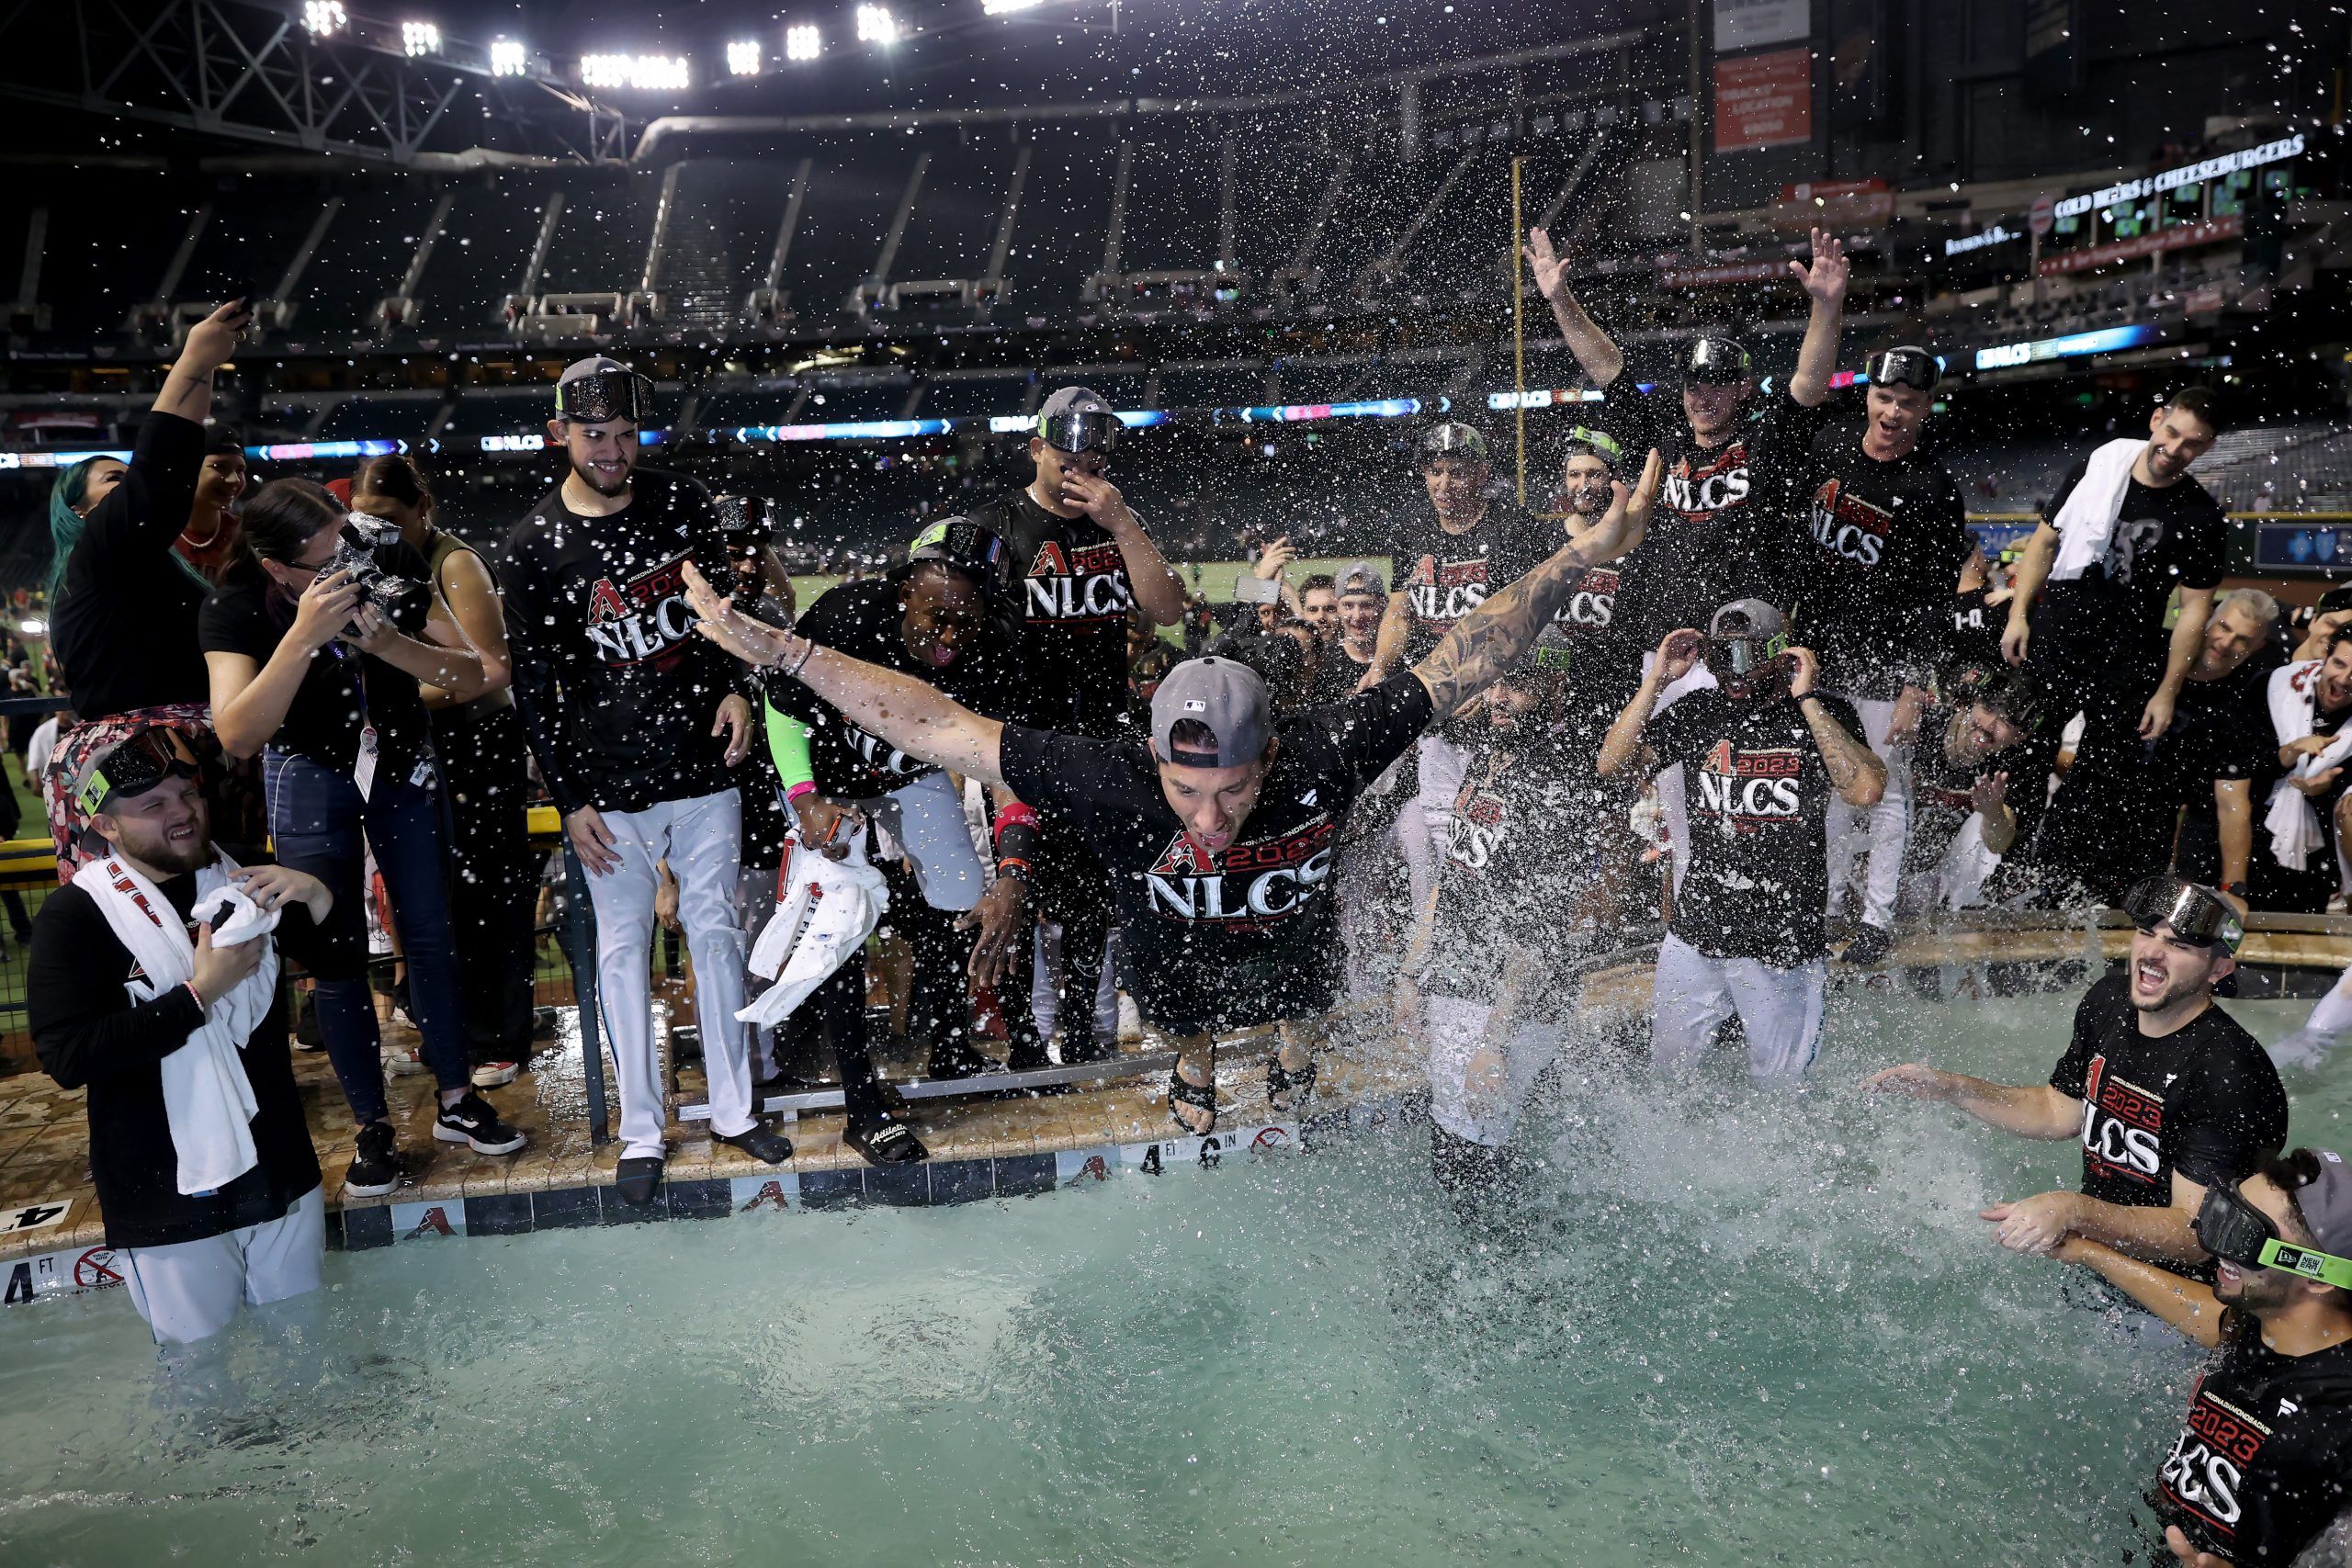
1848,526
1749,790
1087,582
2208,1465
642,618
2122,1126
1257,882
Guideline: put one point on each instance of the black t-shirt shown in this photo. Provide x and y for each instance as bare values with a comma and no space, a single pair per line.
125,630
2203,1100
1889,539
1525,836
2162,539
1943,791
2264,1463
1071,620
1758,794
2221,730
1975,636
1248,937
1336,676
342,690
862,619
618,689
1723,528
89,1032
1445,576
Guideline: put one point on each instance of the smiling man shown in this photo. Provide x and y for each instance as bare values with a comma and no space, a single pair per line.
1220,831
2168,1093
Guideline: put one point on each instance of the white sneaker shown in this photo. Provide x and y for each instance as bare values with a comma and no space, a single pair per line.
1130,1020
490,1075
403,1061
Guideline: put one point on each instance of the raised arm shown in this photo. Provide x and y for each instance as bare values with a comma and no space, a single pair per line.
1855,771
1388,643
2184,1303
1498,633
188,390
916,719
1825,281
1157,588
1596,354
1622,750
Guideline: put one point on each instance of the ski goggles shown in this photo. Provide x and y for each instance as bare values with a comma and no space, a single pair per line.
960,543
2194,913
1715,361
1082,429
1906,367
603,395
1584,441
134,767
2237,1232
1744,655
1451,439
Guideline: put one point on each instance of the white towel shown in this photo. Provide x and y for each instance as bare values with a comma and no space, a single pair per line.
2292,823
827,910
2087,520
207,1099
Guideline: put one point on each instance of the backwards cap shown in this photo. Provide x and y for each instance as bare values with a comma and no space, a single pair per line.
1222,695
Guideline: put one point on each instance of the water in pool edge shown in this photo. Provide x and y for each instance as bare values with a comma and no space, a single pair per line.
1717,1329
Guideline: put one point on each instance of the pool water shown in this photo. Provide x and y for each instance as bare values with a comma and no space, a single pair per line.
1723,1327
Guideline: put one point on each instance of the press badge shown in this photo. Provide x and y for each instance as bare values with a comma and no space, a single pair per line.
363,771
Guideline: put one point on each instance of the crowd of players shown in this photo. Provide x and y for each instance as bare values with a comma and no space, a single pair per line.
1768,639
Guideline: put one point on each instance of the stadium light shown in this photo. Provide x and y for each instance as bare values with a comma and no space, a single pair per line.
875,25
420,38
506,57
803,41
320,17
656,71
999,8
744,57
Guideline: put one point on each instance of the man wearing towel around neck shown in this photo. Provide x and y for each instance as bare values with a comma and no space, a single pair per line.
2127,527
154,986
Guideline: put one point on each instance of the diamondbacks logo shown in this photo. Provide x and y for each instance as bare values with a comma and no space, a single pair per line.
1257,882
1440,592
2122,1126
1749,790
1717,483
1088,583
1849,527
2132,537
644,618
2209,1462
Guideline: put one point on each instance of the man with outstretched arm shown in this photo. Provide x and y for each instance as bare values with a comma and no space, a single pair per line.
2264,1460
1219,832
2168,1094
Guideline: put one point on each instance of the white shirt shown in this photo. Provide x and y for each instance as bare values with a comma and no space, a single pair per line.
42,748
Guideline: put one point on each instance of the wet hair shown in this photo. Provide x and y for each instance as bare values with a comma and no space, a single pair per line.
282,518
2197,401
65,525
2258,604
220,438
395,475
1320,580
2340,639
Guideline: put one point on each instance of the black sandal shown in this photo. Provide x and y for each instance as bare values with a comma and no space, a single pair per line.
884,1141
1298,1086
1200,1095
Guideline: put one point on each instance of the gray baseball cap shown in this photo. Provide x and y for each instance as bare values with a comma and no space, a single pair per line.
1763,621
1361,577
1226,699
2325,1202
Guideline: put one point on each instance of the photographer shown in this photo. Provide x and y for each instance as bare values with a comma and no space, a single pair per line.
313,643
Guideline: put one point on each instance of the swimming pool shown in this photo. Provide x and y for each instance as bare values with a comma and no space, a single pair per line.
1726,1329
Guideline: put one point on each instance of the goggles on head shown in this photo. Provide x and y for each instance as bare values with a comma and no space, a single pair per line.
602,395
1082,429
964,545
1906,367
2237,1232
1715,361
1451,439
136,766
2195,914
1744,654
1584,441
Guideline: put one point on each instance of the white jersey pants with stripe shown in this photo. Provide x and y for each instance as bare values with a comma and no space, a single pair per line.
190,1289
1476,1090
702,840
1879,831
1779,1009
1671,807
924,820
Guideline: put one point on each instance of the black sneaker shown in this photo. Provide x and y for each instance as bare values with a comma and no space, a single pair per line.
376,1167
1870,944
767,1147
472,1122
636,1178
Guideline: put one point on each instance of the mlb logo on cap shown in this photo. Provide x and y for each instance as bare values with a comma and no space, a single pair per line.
1210,713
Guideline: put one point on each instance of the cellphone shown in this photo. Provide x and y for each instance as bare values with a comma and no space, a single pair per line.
1251,589
248,294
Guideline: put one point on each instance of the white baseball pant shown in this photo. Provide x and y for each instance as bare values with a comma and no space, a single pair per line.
191,1290
1779,1009
1477,1091
1879,831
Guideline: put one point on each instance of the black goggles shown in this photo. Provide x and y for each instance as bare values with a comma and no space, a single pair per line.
2237,1232
1080,430
2193,913
960,543
1715,361
136,766
1744,655
1451,439
1906,367
605,395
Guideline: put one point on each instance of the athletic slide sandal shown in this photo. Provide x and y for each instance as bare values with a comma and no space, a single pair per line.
884,1141
1287,1090
1200,1095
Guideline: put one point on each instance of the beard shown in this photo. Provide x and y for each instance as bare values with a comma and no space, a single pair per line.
2177,989
587,476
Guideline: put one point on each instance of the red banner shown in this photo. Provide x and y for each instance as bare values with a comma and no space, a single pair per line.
1764,100
2178,238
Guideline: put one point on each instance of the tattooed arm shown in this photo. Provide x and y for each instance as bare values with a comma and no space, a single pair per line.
1498,633
1855,771
1622,750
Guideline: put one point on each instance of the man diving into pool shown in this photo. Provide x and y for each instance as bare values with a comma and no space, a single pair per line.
1219,834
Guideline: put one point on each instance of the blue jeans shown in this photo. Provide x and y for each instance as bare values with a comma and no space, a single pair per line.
316,819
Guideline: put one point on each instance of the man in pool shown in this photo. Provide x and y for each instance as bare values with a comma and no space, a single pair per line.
1219,832
2264,1460
153,986
2168,1094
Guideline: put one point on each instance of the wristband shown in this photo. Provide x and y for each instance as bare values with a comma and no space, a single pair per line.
1017,814
797,790
197,994
1013,866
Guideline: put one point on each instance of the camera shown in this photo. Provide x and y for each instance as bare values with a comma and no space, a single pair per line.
361,548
